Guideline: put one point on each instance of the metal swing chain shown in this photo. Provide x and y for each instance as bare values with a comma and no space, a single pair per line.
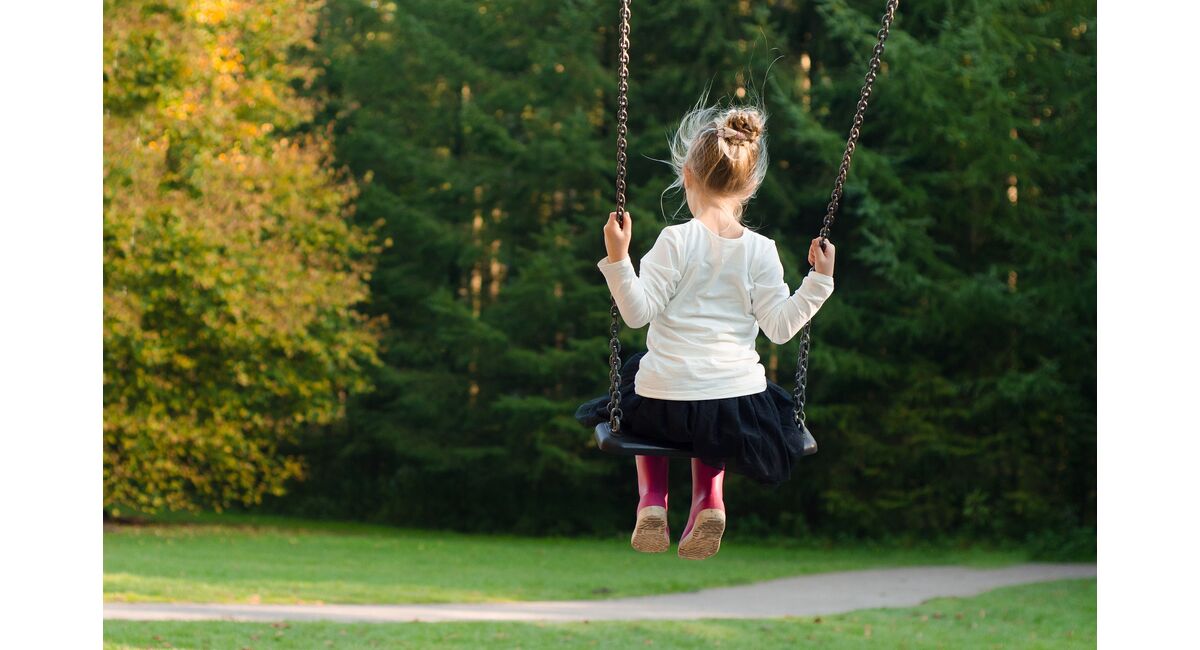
614,345
835,200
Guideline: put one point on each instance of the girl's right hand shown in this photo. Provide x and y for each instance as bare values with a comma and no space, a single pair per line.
822,260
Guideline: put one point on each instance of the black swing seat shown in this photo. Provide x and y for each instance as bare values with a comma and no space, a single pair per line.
626,445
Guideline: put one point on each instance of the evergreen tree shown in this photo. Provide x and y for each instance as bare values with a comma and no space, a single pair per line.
953,372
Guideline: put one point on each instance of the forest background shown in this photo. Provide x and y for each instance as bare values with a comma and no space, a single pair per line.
350,257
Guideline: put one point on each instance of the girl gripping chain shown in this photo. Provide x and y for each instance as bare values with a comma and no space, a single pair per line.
707,286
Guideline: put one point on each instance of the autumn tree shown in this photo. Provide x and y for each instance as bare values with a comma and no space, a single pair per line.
231,269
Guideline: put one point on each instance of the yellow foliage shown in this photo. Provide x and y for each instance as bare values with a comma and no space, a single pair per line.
212,12
231,269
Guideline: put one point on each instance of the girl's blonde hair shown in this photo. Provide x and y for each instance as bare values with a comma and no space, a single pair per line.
724,148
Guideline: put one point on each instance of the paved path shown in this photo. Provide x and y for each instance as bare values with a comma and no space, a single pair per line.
824,593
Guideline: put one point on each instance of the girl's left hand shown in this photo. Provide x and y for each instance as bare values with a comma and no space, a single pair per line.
616,237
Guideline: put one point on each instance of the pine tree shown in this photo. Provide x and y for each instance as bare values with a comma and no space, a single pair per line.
953,372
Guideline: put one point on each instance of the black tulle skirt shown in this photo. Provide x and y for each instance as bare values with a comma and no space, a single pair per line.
752,435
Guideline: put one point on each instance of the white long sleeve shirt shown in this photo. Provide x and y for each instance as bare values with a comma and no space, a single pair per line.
705,298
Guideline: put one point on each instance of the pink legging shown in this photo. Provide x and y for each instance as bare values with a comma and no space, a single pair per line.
707,485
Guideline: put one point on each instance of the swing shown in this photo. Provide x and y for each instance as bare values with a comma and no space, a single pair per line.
609,437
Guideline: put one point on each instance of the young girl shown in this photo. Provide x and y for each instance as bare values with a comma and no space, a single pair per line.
707,286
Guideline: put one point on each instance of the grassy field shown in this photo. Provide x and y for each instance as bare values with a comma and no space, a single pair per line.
247,560
1048,615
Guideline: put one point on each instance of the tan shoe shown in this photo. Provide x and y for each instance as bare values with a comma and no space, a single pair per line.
704,539
650,532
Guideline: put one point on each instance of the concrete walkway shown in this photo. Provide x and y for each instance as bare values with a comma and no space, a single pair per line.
824,593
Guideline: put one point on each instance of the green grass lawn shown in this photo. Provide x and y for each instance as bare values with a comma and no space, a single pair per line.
1047,615
273,560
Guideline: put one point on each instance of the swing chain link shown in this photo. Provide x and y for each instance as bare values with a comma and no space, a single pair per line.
835,199
614,344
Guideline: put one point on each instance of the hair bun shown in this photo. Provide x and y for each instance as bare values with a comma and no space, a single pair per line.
741,126
732,135
737,133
